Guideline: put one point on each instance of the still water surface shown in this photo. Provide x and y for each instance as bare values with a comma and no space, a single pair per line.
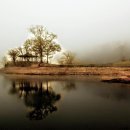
37,102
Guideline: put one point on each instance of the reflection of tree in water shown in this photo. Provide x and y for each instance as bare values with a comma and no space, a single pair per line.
69,86
41,100
13,89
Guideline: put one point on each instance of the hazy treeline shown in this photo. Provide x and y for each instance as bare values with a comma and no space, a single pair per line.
107,53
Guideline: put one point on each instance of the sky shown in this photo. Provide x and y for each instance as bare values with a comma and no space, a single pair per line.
82,26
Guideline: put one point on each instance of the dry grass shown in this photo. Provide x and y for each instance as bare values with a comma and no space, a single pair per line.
102,71
122,64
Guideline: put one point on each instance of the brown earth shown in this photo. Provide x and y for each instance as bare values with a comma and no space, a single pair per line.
102,71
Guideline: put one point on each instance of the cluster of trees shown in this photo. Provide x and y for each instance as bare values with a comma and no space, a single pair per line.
40,47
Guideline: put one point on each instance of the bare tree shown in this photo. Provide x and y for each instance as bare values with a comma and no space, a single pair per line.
50,50
51,47
38,31
38,47
40,34
43,42
27,46
20,49
67,58
13,55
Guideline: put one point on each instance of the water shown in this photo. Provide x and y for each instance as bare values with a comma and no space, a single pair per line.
57,102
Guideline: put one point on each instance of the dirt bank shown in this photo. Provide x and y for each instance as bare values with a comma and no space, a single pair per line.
103,71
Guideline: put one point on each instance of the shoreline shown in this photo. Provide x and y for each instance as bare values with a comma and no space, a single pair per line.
100,71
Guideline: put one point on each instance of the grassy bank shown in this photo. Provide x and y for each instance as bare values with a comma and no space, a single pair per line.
108,71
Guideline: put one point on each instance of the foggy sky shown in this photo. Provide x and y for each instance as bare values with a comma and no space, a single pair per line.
82,26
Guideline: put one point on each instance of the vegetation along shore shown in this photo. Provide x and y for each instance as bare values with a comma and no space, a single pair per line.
37,56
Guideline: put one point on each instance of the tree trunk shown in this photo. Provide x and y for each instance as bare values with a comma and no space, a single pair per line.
47,58
47,90
41,58
14,61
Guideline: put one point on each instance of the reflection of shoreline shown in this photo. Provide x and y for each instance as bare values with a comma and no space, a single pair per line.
38,96
35,78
